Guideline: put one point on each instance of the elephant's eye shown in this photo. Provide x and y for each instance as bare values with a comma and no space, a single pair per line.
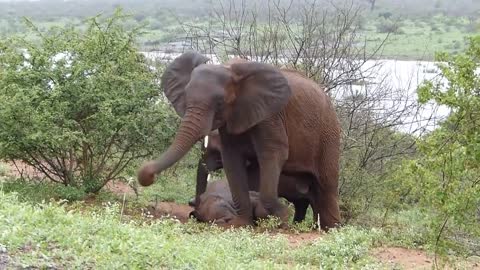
227,220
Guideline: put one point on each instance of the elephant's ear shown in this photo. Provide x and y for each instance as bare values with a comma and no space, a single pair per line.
258,92
177,76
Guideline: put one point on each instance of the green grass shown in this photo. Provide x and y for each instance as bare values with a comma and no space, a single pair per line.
420,40
402,227
3,170
48,234
39,229
38,192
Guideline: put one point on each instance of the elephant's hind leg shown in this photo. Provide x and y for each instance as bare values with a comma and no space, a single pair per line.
326,210
325,205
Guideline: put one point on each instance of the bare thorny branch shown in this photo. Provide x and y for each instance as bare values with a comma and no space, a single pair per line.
321,41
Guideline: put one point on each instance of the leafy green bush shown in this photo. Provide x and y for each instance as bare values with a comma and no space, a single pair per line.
446,177
81,106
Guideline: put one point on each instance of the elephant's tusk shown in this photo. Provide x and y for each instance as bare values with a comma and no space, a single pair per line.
209,177
205,142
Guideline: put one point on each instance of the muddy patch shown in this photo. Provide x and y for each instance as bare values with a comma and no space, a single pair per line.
405,258
395,257
120,188
170,209
300,239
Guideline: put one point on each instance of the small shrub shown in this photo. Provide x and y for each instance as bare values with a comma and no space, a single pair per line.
388,26
270,223
385,15
304,226
445,177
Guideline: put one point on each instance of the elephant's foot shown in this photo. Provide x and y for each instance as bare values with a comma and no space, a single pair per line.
326,223
327,228
277,209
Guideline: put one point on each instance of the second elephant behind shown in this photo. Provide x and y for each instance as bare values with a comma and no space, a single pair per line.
296,189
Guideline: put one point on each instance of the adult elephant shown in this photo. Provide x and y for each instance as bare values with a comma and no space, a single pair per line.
280,118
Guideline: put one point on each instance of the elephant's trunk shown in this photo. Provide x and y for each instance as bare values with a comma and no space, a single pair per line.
195,124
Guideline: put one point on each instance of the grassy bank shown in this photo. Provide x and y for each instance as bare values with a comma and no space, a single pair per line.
419,39
44,225
48,235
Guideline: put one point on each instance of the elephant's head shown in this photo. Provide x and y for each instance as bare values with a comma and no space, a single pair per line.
216,204
237,96
215,209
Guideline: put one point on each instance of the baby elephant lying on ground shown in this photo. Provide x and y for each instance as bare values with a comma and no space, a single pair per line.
216,203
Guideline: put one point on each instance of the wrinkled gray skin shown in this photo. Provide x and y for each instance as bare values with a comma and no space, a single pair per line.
216,203
296,191
277,117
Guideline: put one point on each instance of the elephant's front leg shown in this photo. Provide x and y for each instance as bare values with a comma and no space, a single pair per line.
236,172
271,146
201,183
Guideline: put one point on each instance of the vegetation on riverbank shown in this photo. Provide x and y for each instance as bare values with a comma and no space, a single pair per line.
414,33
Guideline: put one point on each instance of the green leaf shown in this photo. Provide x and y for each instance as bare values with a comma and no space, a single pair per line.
424,92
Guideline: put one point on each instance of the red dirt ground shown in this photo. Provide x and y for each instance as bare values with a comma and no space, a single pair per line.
413,259
298,239
20,169
406,258
119,187
178,211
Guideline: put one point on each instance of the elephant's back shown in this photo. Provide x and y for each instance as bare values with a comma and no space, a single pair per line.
311,123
